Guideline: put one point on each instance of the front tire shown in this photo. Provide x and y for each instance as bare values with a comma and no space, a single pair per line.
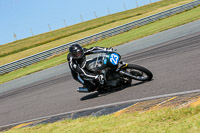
139,73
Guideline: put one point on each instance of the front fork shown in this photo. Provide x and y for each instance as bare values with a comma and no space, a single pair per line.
124,73
123,66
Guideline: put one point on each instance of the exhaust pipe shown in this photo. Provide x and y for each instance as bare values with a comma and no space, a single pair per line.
81,89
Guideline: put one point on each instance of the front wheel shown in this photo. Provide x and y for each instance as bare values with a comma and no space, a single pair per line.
137,72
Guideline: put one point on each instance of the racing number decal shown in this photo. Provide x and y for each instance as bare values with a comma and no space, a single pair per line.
114,59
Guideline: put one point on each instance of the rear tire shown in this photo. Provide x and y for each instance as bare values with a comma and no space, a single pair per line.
138,72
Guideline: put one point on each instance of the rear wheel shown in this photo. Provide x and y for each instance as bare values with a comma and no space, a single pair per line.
137,72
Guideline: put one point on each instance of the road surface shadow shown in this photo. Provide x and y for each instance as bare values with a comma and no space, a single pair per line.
97,94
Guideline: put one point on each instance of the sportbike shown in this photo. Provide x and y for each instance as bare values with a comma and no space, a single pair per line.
116,73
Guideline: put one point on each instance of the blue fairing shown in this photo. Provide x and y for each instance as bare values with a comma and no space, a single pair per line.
105,61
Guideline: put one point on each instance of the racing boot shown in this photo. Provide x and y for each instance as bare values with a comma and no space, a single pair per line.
87,88
82,89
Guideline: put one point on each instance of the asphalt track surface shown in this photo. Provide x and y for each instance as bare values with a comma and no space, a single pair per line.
175,65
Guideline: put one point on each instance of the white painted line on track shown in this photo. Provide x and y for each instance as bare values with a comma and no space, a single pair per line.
106,105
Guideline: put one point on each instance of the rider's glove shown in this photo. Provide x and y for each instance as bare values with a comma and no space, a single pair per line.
109,49
100,79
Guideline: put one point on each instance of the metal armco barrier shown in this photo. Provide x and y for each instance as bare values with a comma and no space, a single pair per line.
93,38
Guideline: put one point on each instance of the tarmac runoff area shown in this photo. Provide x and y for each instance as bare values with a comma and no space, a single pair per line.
152,40
176,100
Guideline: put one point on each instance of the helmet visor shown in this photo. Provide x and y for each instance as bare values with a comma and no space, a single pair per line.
77,55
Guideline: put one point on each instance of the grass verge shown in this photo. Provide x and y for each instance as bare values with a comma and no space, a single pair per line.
32,45
134,34
185,120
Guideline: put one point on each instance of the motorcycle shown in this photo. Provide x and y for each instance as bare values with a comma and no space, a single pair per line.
116,73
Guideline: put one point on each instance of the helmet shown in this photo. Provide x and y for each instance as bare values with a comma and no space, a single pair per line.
77,51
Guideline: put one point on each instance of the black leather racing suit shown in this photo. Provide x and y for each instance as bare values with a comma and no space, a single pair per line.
79,71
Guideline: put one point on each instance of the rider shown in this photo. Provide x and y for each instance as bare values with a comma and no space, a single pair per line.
77,62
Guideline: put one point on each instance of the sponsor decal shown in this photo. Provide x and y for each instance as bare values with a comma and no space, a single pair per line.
114,58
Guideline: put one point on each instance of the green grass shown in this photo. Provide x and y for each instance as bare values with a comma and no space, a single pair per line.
34,68
32,45
152,28
166,120
146,30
